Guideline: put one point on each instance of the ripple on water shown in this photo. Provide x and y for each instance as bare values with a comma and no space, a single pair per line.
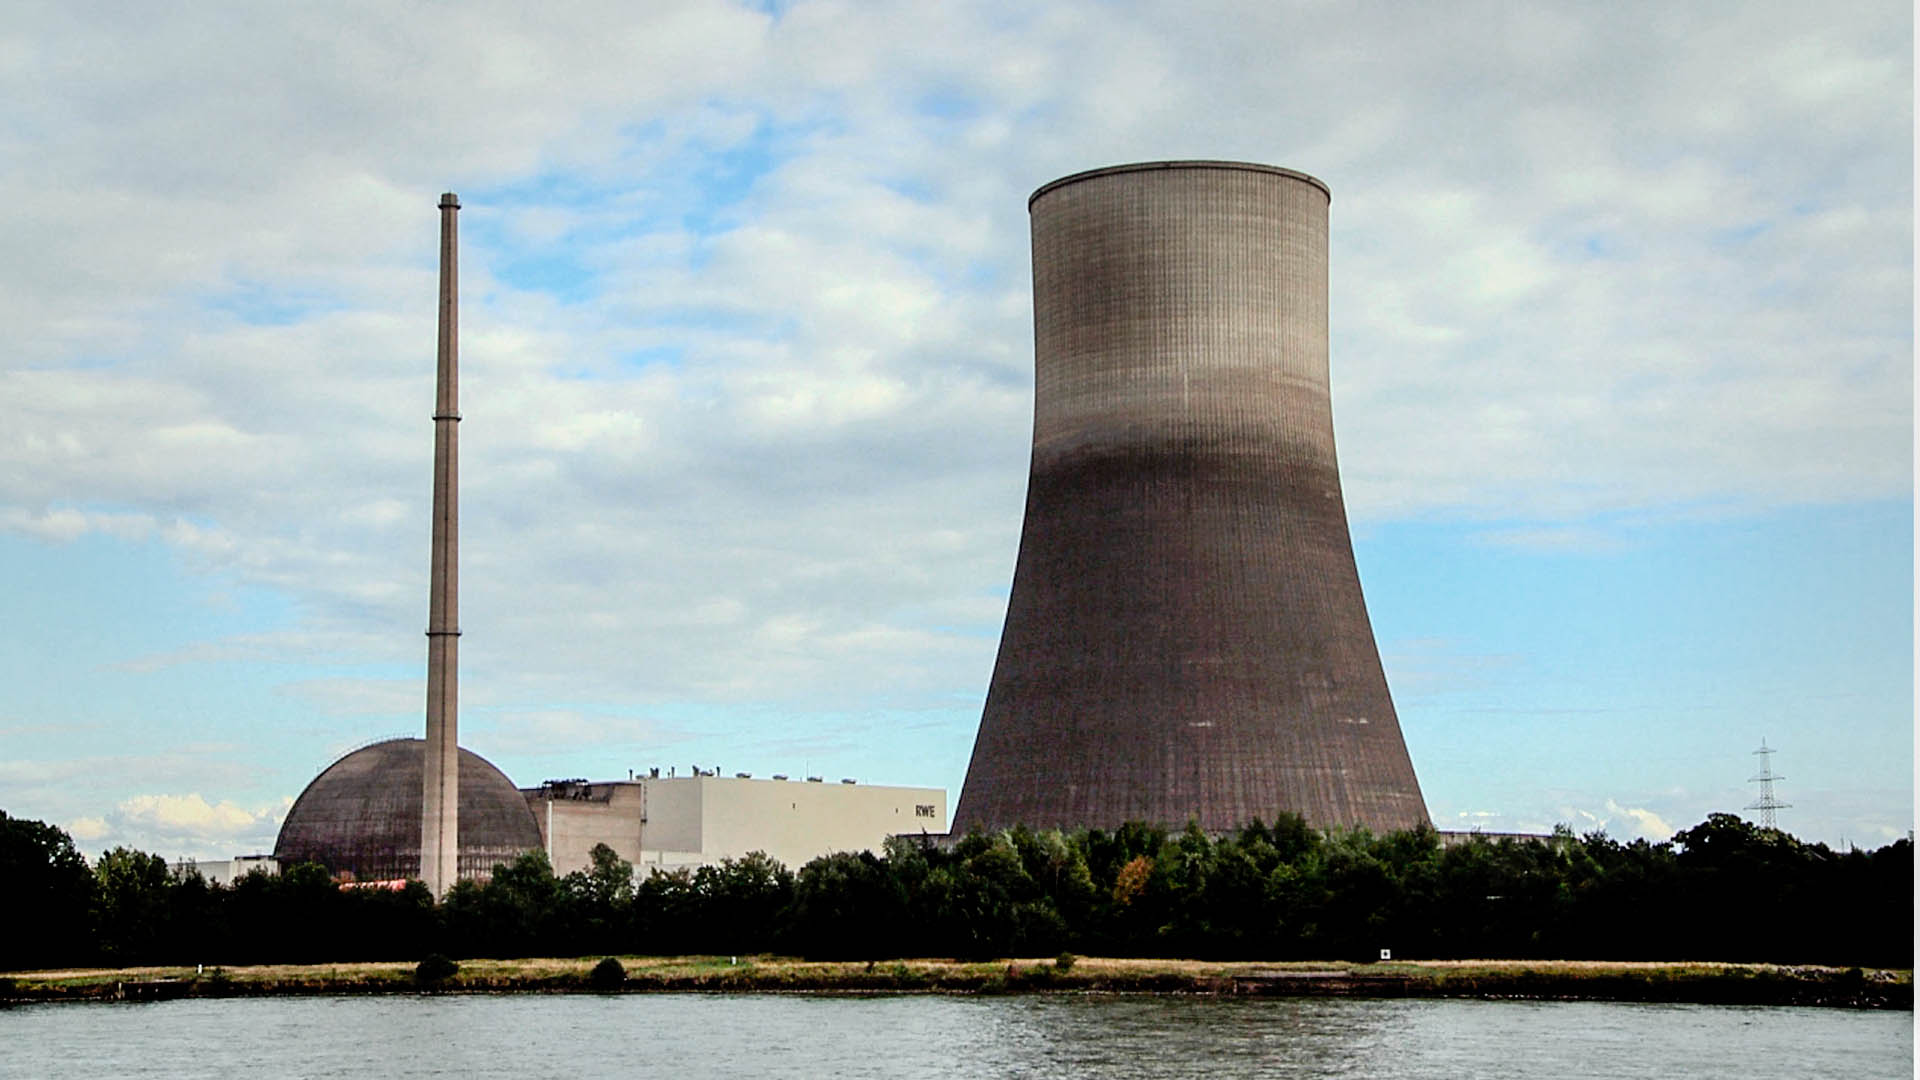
691,1036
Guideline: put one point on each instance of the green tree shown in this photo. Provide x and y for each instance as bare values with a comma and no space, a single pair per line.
1057,864
846,906
991,906
598,901
741,903
131,905
1234,898
664,911
1741,884
50,894
1171,917
308,897
521,911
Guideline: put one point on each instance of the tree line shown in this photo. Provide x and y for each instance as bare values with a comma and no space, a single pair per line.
1724,890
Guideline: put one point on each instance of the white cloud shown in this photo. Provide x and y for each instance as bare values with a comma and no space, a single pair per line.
186,813
181,826
88,829
1623,823
1639,822
746,352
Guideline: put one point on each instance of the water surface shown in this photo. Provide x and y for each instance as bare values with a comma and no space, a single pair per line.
725,1035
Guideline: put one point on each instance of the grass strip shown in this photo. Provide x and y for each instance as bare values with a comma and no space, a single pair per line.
1711,983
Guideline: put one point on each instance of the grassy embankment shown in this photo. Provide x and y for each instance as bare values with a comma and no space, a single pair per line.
1542,980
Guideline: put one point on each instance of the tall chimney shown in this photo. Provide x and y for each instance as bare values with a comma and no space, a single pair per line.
440,807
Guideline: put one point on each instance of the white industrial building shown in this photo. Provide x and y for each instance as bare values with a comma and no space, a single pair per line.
225,871
686,821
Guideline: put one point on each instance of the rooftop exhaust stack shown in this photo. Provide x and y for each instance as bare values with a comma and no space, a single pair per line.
440,809
1185,638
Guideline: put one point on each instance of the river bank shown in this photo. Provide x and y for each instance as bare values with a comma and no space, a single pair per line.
1745,984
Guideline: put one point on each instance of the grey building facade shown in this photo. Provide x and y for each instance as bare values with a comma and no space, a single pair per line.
1186,637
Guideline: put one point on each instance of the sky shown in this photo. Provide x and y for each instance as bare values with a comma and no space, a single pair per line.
1622,343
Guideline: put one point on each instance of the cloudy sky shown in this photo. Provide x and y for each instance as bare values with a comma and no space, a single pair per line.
1622,374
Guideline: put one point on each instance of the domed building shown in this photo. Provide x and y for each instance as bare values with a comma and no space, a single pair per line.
361,817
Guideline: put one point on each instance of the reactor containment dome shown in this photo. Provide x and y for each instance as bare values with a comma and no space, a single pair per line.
360,818
1185,638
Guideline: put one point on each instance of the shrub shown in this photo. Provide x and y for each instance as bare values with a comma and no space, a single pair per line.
434,970
608,974
1065,961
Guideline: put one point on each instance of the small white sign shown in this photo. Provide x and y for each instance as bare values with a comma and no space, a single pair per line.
1386,954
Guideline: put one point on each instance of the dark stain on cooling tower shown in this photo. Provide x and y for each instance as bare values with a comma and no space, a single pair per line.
1186,638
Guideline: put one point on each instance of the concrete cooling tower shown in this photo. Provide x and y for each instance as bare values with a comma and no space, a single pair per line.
1185,639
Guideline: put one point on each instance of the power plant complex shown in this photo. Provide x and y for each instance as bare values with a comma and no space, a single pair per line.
1185,639
433,810
363,817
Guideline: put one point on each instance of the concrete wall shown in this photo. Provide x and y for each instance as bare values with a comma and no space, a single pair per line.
796,820
575,818
673,819
686,821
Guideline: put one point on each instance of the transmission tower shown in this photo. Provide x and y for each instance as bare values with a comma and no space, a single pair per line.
1766,803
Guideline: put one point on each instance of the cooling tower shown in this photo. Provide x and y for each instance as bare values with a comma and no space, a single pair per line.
1185,639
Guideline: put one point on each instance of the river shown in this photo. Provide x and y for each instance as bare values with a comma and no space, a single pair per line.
1122,1036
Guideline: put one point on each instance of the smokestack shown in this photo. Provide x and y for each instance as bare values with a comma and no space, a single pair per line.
440,808
1185,638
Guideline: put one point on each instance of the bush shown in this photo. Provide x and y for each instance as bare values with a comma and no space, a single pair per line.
434,970
608,974
1065,961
